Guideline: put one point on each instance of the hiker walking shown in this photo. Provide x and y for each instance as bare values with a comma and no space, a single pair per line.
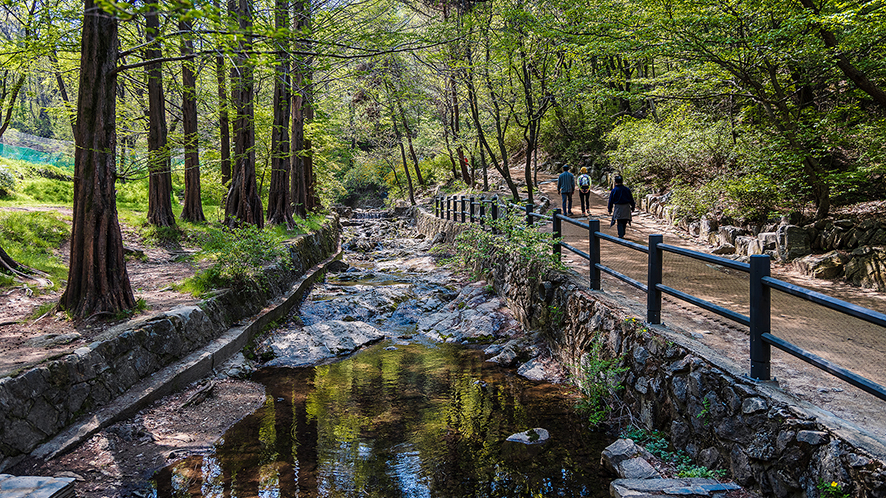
621,203
565,187
584,191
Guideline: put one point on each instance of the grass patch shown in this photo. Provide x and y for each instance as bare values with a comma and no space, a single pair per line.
31,238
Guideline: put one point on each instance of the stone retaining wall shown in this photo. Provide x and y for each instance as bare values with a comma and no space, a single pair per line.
768,441
854,250
39,403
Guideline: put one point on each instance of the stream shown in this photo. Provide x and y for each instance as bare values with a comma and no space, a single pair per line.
381,385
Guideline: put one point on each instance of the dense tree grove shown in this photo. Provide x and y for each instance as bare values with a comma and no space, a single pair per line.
746,108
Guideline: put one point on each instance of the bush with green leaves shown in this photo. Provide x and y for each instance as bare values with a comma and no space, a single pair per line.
657,444
240,256
507,235
685,146
7,182
598,380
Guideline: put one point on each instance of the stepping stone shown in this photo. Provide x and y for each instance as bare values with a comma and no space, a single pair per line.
36,487
661,488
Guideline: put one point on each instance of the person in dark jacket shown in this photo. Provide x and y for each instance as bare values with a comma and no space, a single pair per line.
621,204
565,187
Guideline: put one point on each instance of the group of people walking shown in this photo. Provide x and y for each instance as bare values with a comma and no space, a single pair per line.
621,200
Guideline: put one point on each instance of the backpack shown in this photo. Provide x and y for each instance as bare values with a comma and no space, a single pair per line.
584,181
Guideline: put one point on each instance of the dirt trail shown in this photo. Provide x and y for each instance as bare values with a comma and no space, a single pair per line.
847,341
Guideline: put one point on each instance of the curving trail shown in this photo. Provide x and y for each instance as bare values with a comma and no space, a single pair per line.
847,341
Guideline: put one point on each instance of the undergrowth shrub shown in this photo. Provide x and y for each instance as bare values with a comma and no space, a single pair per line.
240,256
599,379
507,235
7,182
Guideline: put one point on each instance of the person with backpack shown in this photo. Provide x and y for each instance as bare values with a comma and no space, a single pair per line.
565,187
584,191
621,204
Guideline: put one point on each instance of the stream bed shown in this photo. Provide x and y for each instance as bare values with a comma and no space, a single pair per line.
381,385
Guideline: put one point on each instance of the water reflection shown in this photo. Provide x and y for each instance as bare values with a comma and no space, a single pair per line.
410,422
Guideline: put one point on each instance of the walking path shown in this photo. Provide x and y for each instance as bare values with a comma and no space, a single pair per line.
844,340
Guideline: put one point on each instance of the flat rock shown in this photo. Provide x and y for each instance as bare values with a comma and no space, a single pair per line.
652,488
532,436
36,487
318,342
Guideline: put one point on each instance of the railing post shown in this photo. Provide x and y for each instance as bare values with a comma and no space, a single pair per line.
760,317
471,203
462,208
437,206
557,234
653,294
482,210
448,207
529,218
494,211
594,252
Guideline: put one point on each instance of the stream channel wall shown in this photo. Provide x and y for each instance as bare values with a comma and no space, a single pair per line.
39,403
767,440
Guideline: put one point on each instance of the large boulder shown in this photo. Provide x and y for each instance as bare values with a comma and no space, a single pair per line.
827,266
793,242
769,240
746,245
867,267
728,234
617,454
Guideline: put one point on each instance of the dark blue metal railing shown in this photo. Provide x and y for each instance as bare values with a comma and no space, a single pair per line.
761,284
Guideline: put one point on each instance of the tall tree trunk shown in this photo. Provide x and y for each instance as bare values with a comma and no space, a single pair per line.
243,205
13,96
279,207
408,133
159,161
193,206
224,126
405,164
299,180
97,278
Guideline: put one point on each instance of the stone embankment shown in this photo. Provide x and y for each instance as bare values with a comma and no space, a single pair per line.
828,249
38,404
767,440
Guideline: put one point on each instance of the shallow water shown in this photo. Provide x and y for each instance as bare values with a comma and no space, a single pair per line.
399,421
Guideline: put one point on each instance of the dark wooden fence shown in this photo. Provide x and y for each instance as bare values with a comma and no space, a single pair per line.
481,210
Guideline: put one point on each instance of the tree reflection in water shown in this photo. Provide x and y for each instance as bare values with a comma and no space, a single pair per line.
412,422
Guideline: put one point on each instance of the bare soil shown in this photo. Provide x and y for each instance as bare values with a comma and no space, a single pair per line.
119,461
27,339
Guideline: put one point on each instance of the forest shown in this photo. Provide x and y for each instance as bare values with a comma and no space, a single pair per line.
270,111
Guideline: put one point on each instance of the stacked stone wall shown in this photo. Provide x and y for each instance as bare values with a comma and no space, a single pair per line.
768,441
40,402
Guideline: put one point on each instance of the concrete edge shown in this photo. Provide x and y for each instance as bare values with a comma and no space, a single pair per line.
178,375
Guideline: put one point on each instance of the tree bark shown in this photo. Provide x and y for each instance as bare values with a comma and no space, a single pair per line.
303,188
193,206
97,277
224,125
408,132
159,161
243,204
405,165
279,207
13,95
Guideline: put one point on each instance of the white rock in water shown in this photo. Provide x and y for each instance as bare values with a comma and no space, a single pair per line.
532,436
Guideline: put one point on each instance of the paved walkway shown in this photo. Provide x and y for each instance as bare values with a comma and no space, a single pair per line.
846,341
